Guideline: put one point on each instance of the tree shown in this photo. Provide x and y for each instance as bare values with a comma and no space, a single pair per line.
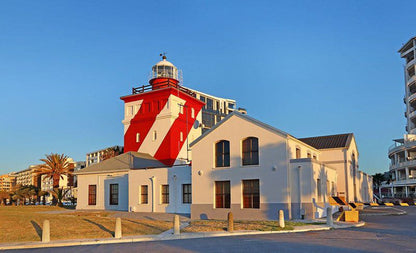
56,165
111,152
54,168
378,178
59,194
3,197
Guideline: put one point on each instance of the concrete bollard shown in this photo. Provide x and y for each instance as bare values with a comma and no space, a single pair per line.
329,218
230,222
117,231
281,219
46,231
176,225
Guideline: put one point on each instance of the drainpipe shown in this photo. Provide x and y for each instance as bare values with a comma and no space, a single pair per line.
300,192
153,179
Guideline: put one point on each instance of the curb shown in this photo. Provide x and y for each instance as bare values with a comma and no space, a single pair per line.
398,212
34,245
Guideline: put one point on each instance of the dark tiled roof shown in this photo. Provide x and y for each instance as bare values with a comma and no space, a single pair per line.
123,162
329,141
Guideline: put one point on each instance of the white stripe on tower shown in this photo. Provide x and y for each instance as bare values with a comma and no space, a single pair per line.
127,118
161,126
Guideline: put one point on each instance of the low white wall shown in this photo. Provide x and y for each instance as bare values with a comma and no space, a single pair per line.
175,177
103,181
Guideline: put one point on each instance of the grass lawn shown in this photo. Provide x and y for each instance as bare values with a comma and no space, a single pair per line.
219,225
24,223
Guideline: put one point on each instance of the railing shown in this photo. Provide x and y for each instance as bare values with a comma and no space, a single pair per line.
162,85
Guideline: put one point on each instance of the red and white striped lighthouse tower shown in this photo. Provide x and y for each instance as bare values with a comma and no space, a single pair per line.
163,117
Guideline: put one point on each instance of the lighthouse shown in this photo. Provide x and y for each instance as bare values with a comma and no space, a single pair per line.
162,118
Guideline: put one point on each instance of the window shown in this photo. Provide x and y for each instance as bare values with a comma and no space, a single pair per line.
165,194
332,188
314,157
297,153
192,113
309,155
251,151
318,188
138,137
143,194
181,136
222,194
251,194
187,193
222,154
154,135
181,108
130,110
113,194
92,194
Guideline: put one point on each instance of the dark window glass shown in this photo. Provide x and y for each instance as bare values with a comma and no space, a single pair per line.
222,154
165,194
309,155
251,194
210,104
187,193
222,194
250,151
113,194
92,194
143,194
202,98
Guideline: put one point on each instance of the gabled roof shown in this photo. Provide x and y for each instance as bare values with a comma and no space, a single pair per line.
242,116
123,162
329,141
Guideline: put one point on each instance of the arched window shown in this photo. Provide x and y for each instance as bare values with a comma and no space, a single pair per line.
222,154
250,151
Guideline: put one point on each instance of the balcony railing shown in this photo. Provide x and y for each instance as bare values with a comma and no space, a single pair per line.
162,85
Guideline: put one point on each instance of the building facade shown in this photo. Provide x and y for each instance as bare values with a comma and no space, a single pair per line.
252,169
7,182
97,156
402,153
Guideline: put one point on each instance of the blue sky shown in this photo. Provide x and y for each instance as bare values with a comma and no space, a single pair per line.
306,67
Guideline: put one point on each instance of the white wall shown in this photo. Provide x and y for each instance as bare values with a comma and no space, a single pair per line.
175,177
103,182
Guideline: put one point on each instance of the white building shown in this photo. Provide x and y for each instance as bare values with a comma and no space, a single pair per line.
403,153
252,169
96,156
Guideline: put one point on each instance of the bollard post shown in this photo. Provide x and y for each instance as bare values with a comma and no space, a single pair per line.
117,232
230,222
46,231
281,219
176,225
329,218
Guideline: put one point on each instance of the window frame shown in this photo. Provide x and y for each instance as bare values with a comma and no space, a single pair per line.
144,195
224,154
222,190
114,192
251,193
164,194
92,195
187,193
252,151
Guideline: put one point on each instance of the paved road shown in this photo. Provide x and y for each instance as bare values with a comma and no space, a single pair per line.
381,234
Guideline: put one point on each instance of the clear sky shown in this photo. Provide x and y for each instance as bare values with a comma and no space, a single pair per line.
306,67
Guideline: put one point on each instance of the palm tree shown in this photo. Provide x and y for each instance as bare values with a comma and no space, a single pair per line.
111,152
55,167
3,197
59,194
